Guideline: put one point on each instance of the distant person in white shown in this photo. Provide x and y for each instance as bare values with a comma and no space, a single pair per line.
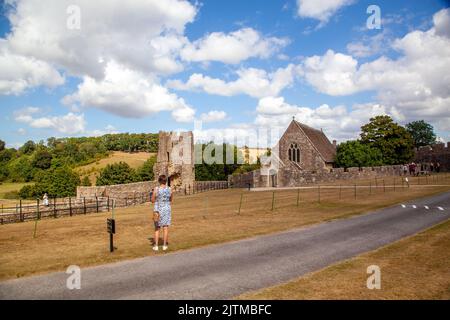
45,199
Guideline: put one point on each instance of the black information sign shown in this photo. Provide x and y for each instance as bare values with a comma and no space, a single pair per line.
111,226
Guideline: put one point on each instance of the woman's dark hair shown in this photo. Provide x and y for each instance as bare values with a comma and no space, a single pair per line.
162,179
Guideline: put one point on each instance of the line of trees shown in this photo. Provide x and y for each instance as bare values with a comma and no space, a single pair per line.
384,142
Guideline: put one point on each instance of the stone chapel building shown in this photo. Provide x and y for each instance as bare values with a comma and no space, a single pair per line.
302,153
302,148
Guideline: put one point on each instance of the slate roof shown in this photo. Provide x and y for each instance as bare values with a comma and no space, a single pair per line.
320,142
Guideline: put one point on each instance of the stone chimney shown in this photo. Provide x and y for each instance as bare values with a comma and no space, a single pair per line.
334,144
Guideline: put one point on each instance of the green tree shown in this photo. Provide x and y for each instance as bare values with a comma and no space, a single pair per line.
217,171
20,169
422,133
145,173
28,147
117,173
355,154
394,142
59,182
2,145
42,159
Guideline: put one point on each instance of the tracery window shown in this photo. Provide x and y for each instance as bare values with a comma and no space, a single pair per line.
294,152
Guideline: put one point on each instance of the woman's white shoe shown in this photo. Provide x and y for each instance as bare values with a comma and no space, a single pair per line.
155,248
165,248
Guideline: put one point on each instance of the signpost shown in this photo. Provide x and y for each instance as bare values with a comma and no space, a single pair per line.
111,227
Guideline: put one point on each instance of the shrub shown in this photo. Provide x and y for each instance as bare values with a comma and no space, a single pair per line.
117,173
59,182
145,173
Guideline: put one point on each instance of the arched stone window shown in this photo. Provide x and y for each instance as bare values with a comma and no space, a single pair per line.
294,152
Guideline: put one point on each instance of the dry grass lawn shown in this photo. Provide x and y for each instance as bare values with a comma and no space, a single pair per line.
134,160
417,267
198,220
6,187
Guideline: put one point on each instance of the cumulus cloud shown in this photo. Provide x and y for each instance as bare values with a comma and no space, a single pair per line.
332,73
337,122
253,82
144,35
416,84
233,47
19,73
213,116
68,124
320,10
128,93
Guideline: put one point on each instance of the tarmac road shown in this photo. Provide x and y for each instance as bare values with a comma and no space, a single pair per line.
226,270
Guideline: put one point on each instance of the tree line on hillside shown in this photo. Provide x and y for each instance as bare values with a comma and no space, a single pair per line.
50,165
384,142
25,163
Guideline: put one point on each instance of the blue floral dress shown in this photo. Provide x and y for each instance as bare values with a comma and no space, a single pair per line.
162,205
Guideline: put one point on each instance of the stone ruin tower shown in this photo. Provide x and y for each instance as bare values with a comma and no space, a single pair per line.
176,158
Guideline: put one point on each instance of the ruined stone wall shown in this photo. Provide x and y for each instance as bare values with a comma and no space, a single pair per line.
175,158
287,177
124,194
433,154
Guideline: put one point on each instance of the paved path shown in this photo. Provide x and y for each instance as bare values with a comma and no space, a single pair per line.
226,270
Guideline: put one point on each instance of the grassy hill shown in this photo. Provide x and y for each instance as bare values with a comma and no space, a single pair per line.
134,160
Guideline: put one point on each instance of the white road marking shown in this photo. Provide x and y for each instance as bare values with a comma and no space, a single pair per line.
440,208
414,206
426,207
403,206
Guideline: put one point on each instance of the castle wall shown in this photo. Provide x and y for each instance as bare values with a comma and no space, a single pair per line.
176,158
287,177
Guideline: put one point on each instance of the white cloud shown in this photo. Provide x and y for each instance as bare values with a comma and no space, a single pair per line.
233,47
320,10
253,82
337,122
370,46
416,84
145,35
19,73
109,129
332,73
68,124
441,22
213,116
128,93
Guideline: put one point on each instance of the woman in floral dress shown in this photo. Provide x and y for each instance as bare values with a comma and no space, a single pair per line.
162,198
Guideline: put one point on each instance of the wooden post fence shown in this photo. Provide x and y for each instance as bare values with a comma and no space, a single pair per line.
273,199
240,203
20,211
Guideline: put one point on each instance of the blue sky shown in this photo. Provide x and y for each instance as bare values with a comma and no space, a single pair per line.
146,67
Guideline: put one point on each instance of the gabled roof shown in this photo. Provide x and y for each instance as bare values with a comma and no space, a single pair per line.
319,141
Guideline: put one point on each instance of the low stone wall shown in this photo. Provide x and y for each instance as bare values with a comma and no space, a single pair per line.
124,194
136,193
297,178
